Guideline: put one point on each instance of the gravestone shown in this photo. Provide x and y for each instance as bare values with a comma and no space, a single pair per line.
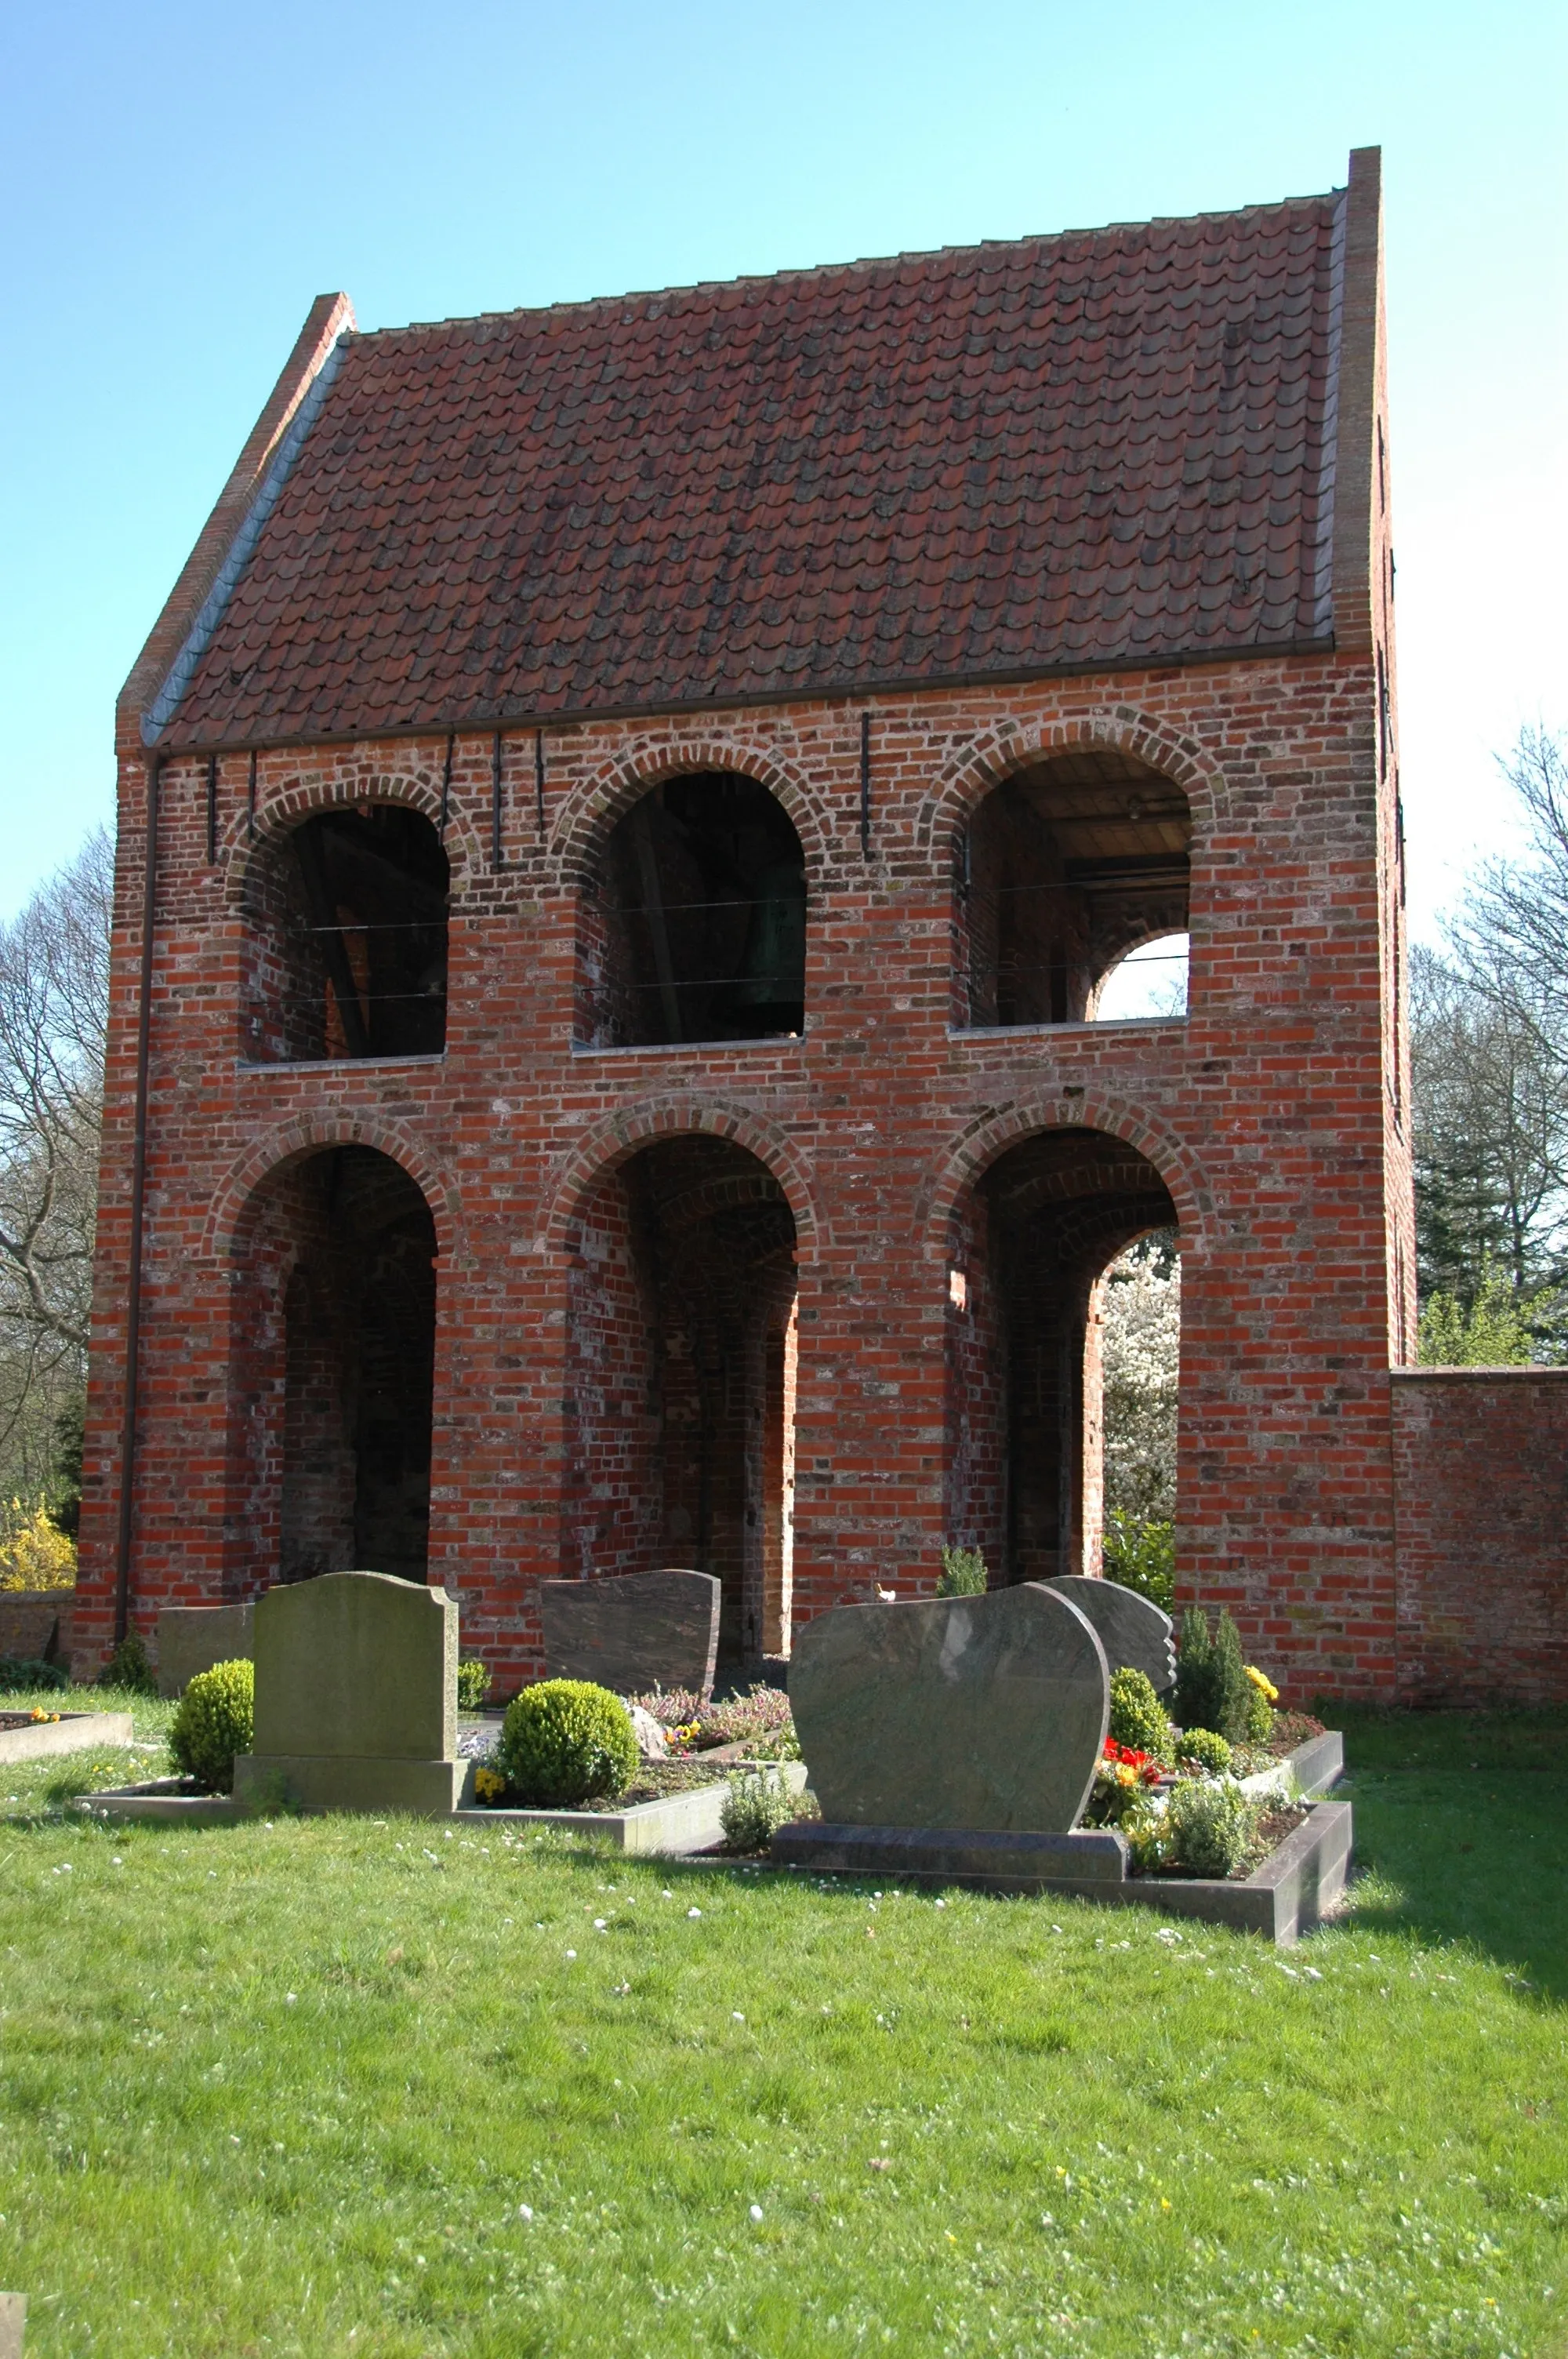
13,2324
191,1639
356,1697
981,1713
634,1631
1136,1634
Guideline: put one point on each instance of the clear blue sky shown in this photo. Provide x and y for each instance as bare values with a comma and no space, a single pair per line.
180,180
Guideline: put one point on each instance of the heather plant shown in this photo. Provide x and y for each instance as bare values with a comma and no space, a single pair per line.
761,1718
756,1805
1209,1822
963,1573
565,1742
215,1720
1137,1718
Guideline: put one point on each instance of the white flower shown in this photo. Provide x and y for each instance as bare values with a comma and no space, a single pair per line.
289,1998
736,2016
571,1954
694,1912
600,1923
525,2211
756,2210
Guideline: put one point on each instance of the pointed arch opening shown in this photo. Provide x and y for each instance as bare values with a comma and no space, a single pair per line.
1065,869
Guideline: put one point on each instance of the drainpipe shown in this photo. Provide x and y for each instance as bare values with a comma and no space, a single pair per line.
138,1190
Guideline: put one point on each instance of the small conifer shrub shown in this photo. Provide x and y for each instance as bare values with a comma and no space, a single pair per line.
129,1668
215,1720
1212,1687
565,1742
963,1573
1137,1718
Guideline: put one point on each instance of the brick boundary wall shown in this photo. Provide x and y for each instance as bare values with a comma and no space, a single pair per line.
1481,1523
36,1625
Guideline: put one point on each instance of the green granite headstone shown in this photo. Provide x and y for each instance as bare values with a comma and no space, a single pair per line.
356,1697
987,1714
1135,1633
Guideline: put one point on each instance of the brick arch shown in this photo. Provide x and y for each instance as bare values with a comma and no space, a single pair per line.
291,1142
586,817
615,1139
278,814
977,1147
984,762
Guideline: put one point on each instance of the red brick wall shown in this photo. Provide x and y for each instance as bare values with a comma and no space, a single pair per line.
1267,1113
1481,1502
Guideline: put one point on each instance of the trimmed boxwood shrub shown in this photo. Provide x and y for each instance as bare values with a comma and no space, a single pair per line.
1204,1750
216,1719
566,1741
1137,1718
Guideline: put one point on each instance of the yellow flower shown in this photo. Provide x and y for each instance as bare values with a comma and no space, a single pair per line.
488,1785
1265,1687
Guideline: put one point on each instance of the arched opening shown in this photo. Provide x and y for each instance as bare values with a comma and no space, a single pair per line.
1139,1304
1028,1248
681,1381
347,920
693,928
1150,982
1065,868
332,1376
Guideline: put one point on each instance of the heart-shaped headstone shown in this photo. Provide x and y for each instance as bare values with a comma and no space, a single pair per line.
1133,1630
983,1712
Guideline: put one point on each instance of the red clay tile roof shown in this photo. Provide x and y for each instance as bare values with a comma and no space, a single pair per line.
1106,448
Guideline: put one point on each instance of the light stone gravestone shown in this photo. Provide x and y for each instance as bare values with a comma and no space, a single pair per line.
191,1639
1136,1634
13,2324
356,1698
634,1631
953,1713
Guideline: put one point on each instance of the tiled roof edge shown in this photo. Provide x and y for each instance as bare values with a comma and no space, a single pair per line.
835,692
818,270
166,703
1322,570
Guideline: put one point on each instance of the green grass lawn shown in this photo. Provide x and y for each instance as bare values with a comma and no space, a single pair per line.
344,2087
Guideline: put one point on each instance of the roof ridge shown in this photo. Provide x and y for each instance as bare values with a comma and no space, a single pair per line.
823,270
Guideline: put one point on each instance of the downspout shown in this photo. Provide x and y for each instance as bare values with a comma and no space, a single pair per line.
138,1192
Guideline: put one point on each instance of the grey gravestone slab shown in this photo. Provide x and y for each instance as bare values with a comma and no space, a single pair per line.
975,1712
191,1639
634,1632
1136,1634
13,2324
356,1697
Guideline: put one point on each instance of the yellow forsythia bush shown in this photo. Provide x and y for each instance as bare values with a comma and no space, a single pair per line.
34,1553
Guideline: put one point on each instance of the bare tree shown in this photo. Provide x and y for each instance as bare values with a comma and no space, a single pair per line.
54,999
1509,938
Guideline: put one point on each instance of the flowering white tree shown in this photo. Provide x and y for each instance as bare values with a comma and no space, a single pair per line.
1142,1343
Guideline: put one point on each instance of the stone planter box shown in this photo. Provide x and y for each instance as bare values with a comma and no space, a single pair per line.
680,1823
73,1733
1281,1899
677,1823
